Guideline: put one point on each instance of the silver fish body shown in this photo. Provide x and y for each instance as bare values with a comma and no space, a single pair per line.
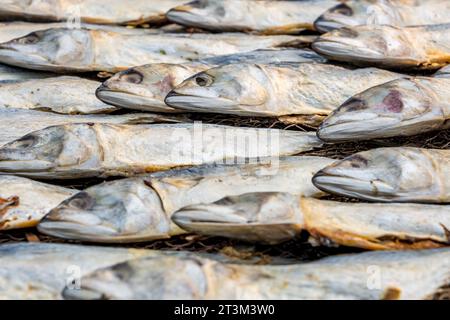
90,11
89,150
384,12
65,94
42,270
273,90
402,107
390,175
268,17
139,209
9,74
145,87
367,276
17,29
81,50
16,123
423,47
23,202
443,73
276,217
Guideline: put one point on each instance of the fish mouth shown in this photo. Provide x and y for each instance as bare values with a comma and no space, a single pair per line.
345,185
75,224
12,56
76,218
211,214
21,160
324,25
336,48
216,220
128,100
225,221
181,14
82,294
357,127
199,103
24,166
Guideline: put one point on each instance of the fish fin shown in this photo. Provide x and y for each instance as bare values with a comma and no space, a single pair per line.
381,243
392,293
5,204
447,232
308,120
292,28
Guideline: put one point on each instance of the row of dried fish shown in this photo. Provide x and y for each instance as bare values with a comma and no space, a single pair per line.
86,272
235,15
369,105
258,197
214,200
360,104
92,48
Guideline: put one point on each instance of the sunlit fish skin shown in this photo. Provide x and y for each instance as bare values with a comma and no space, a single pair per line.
443,73
91,150
23,202
425,48
81,50
403,107
15,123
390,175
42,270
17,29
9,73
276,217
139,209
90,11
384,12
366,276
145,87
268,17
273,90
66,94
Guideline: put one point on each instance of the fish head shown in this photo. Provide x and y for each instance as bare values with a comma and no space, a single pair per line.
118,211
398,107
55,147
50,47
383,174
206,13
366,44
31,7
354,13
257,217
166,276
225,89
143,87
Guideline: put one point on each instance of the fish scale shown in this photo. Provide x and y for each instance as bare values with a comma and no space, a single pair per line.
277,217
81,50
104,213
405,275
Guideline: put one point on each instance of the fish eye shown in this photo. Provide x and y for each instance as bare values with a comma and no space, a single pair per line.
203,80
81,200
26,141
343,9
30,39
358,161
198,4
132,77
354,104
